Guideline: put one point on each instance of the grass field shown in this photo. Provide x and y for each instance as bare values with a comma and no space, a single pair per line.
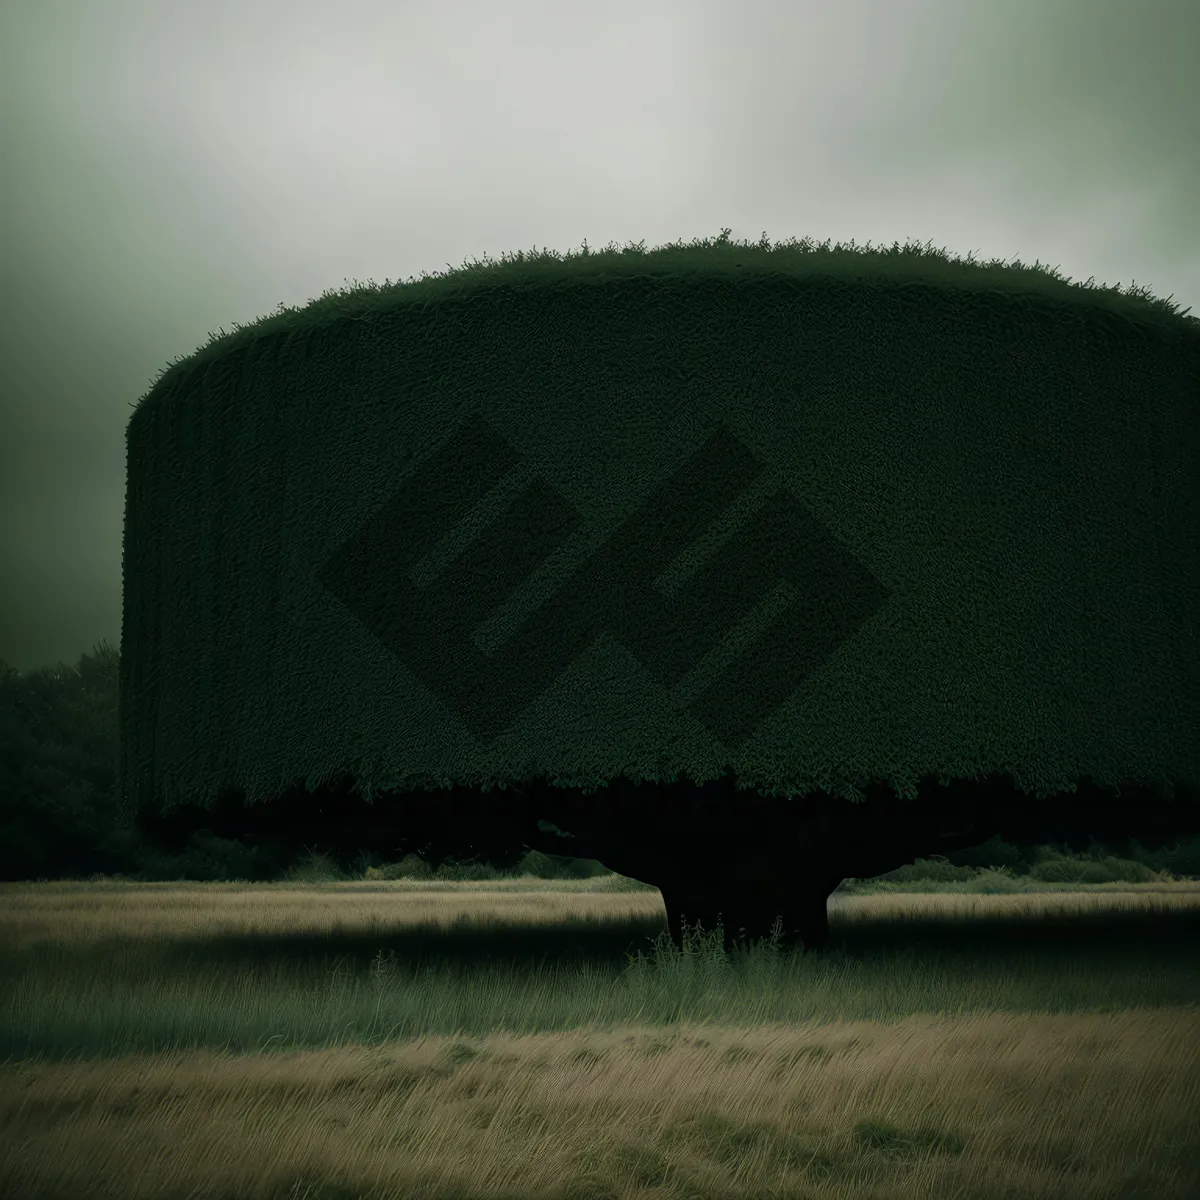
503,1038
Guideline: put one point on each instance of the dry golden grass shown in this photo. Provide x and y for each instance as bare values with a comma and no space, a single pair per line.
1086,1105
70,911
1063,1107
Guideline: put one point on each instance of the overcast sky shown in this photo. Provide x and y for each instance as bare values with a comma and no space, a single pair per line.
170,167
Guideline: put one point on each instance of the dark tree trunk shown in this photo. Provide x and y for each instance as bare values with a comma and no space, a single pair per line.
737,858
749,904
715,852
702,882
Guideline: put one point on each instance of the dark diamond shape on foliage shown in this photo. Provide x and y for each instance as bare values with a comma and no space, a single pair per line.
782,550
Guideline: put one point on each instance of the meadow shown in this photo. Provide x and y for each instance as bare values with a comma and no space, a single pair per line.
454,1034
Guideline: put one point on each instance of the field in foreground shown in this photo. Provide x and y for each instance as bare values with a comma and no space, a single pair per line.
492,1039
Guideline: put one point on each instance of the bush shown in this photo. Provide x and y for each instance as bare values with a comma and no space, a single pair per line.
937,869
315,868
1182,859
996,881
995,852
409,867
1106,870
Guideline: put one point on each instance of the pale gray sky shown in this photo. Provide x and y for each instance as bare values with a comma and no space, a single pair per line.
171,167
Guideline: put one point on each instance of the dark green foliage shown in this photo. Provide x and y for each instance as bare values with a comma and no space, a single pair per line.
390,482
995,852
58,760
897,262
1182,860
740,569
62,821
59,816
